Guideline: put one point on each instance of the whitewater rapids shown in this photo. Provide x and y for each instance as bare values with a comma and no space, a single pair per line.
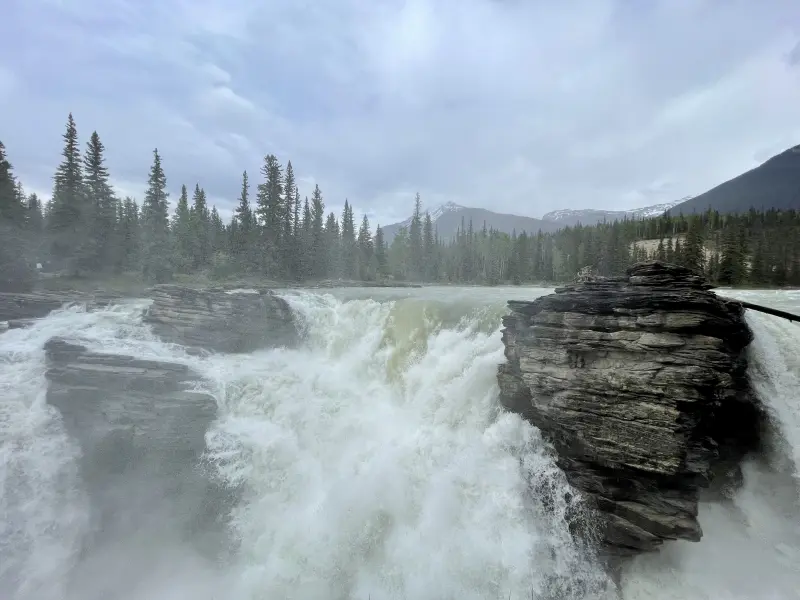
374,463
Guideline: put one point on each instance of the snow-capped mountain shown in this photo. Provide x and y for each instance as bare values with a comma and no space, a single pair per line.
449,216
435,214
592,216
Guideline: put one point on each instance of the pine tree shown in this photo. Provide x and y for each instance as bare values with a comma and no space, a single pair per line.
68,215
245,240
288,215
366,251
200,225
130,236
693,256
270,208
333,241
415,240
102,206
349,244
306,270
156,251
381,254
318,246
182,234
16,270
430,271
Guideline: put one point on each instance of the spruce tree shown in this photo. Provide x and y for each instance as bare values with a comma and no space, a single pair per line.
16,269
288,214
333,241
244,242
68,220
429,270
182,234
156,249
381,257
102,206
270,209
366,251
318,247
349,244
415,240
307,243
200,229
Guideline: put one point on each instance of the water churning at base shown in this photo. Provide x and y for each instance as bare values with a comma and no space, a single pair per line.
373,462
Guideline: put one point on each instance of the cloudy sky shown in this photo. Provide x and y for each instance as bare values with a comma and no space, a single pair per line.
521,106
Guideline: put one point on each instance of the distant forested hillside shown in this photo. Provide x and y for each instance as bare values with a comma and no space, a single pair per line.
87,230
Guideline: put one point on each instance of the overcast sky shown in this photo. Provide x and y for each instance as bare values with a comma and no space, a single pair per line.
520,106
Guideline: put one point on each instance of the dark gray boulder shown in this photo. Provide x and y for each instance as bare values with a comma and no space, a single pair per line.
141,429
220,320
640,384
34,305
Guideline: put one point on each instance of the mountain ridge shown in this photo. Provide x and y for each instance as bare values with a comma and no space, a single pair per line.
774,184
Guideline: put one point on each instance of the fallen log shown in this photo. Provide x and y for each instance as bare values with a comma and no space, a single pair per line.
770,311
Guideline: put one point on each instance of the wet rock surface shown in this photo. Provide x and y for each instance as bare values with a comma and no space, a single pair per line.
221,320
34,305
640,384
141,429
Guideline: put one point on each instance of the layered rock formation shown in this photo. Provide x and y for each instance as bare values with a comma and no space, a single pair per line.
34,305
220,320
142,434
640,384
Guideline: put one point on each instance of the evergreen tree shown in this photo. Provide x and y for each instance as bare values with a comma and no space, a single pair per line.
381,254
693,256
415,240
182,234
270,210
199,218
318,246
156,250
288,209
306,270
16,270
333,241
101,205
349,244
68,218
366,252
429,263
244,233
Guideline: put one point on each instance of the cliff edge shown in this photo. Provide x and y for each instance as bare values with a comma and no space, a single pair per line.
640,384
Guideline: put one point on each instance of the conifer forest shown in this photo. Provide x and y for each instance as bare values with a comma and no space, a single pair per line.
86,230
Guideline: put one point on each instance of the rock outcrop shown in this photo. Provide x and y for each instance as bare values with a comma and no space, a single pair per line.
34,305
221,320
141,430
640,384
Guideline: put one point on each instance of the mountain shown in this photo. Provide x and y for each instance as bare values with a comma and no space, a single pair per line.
590,216
448,218
774,184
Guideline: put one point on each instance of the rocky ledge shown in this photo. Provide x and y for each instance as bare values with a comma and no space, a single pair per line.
141,429
640,384
34,305
221,320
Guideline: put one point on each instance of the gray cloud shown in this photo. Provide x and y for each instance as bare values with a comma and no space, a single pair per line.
516,106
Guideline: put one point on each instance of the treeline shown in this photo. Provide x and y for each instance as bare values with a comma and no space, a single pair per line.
87,230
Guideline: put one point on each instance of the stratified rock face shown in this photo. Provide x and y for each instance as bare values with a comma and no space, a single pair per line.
142,434
640,383
34,305
220,320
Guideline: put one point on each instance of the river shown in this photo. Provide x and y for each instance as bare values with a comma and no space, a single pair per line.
375,464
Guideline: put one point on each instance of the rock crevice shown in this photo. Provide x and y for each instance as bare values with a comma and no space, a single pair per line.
640,384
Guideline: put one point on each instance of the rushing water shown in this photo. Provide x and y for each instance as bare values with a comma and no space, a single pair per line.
374,463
